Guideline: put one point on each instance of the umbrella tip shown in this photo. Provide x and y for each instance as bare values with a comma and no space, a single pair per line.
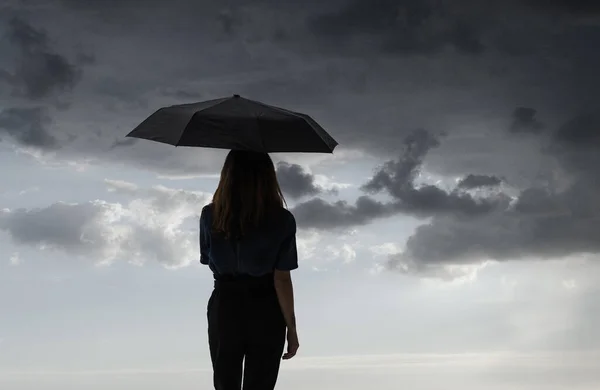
236,95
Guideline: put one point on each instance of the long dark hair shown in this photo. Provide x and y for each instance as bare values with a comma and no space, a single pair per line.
248,195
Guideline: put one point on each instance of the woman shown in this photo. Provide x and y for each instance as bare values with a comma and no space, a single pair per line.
248,239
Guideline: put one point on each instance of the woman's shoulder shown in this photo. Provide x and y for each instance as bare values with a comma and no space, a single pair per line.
280,218
206,210
287,214
288,218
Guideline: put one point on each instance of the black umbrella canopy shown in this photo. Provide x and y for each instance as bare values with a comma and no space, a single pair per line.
235,123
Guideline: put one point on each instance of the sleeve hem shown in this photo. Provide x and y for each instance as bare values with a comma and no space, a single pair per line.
291,268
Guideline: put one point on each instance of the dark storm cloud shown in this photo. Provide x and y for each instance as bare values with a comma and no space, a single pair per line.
431,200
29,126
577,7
371,71
576,145
37,75
39,71
583,131
295,181
543,226
311,86
397,175
524,121
370,101
476,181
397,179
126,93
538,201
319,214
349,72
542,222
399,27
229,22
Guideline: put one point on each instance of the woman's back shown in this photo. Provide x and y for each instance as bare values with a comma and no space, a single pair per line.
260,251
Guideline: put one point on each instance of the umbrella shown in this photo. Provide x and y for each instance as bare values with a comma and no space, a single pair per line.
235,123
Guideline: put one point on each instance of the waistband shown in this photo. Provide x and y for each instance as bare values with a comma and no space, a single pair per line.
243,281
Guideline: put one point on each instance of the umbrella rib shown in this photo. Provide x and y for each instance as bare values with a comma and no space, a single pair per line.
262,140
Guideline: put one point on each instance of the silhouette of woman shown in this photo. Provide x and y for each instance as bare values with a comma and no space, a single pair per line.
248,239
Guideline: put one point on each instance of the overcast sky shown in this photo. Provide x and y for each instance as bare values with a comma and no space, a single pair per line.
451,240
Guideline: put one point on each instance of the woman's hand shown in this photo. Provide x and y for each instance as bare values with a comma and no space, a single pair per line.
292,344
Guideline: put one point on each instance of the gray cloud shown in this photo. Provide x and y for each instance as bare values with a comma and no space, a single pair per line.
295,181
79,230
583,131
229,21
37,75
578,7
371,75
558,227
351,78
542,222
29,126
319,214
476,181
399,27
397,176
539,202
397,179
103,232
525,121
39,71
430,200
576,146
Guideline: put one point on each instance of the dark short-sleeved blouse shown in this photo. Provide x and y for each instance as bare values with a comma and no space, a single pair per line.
256,254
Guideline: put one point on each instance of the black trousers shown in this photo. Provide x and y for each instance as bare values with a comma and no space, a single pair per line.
246,333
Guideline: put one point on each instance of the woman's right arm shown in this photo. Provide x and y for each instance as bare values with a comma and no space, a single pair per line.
287,261
285,294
